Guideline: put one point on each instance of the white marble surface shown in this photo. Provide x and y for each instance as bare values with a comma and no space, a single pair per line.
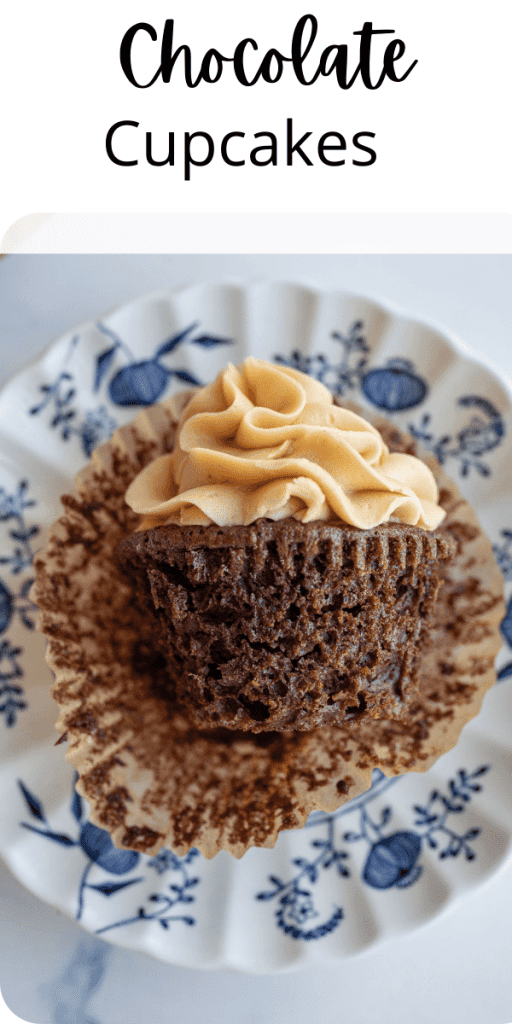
454,971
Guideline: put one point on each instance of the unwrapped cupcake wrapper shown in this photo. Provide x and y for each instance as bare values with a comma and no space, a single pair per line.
153,779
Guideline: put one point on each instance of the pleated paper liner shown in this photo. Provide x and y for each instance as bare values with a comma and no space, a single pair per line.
150,777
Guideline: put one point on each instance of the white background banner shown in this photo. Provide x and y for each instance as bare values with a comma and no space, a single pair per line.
440,136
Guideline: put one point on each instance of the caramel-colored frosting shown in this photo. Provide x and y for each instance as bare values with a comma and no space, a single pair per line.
265,441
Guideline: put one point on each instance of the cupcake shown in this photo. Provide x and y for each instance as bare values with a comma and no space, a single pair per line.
290,560
221,674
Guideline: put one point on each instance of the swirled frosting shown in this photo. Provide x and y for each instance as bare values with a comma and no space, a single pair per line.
265,441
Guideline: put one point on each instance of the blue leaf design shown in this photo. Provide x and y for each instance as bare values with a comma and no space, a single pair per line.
77,806
506,625
172,343
109,888
34,805
6,607
58,837
103,364
343,871
276,881
25,587
23,535
186,377
209,341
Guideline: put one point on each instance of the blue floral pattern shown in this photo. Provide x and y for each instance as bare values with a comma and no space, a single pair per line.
397,387
394,387
140,383
503,556
393,856
99,850
483,431
341,376
14,600
97,424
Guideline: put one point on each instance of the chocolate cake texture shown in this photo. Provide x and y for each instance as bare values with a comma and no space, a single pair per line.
289,625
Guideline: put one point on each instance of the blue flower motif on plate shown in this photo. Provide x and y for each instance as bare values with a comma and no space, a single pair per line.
393,857
99,850
14,600
341,376
392,861
398,386
503,556
140,383
97,424
393,387
144,382
483,432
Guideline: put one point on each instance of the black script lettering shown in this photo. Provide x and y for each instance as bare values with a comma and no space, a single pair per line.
189,160
339,56
365,149
125,53
322,147
291,149
109,140
239,61
169,58
266,66
224,149
206,74
394,51
300,51
169,159
365,47
333,59
272,159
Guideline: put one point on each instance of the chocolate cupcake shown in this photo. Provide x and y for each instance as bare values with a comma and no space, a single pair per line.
303,593
151,776
288,625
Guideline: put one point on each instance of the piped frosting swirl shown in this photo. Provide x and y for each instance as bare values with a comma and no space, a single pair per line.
265,441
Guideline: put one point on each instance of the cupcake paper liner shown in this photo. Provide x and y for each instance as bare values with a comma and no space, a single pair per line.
151,778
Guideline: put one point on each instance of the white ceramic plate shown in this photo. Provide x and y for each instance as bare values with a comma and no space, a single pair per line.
393,858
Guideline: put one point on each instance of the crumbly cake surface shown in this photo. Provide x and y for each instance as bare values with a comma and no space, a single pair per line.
289,625
151,777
